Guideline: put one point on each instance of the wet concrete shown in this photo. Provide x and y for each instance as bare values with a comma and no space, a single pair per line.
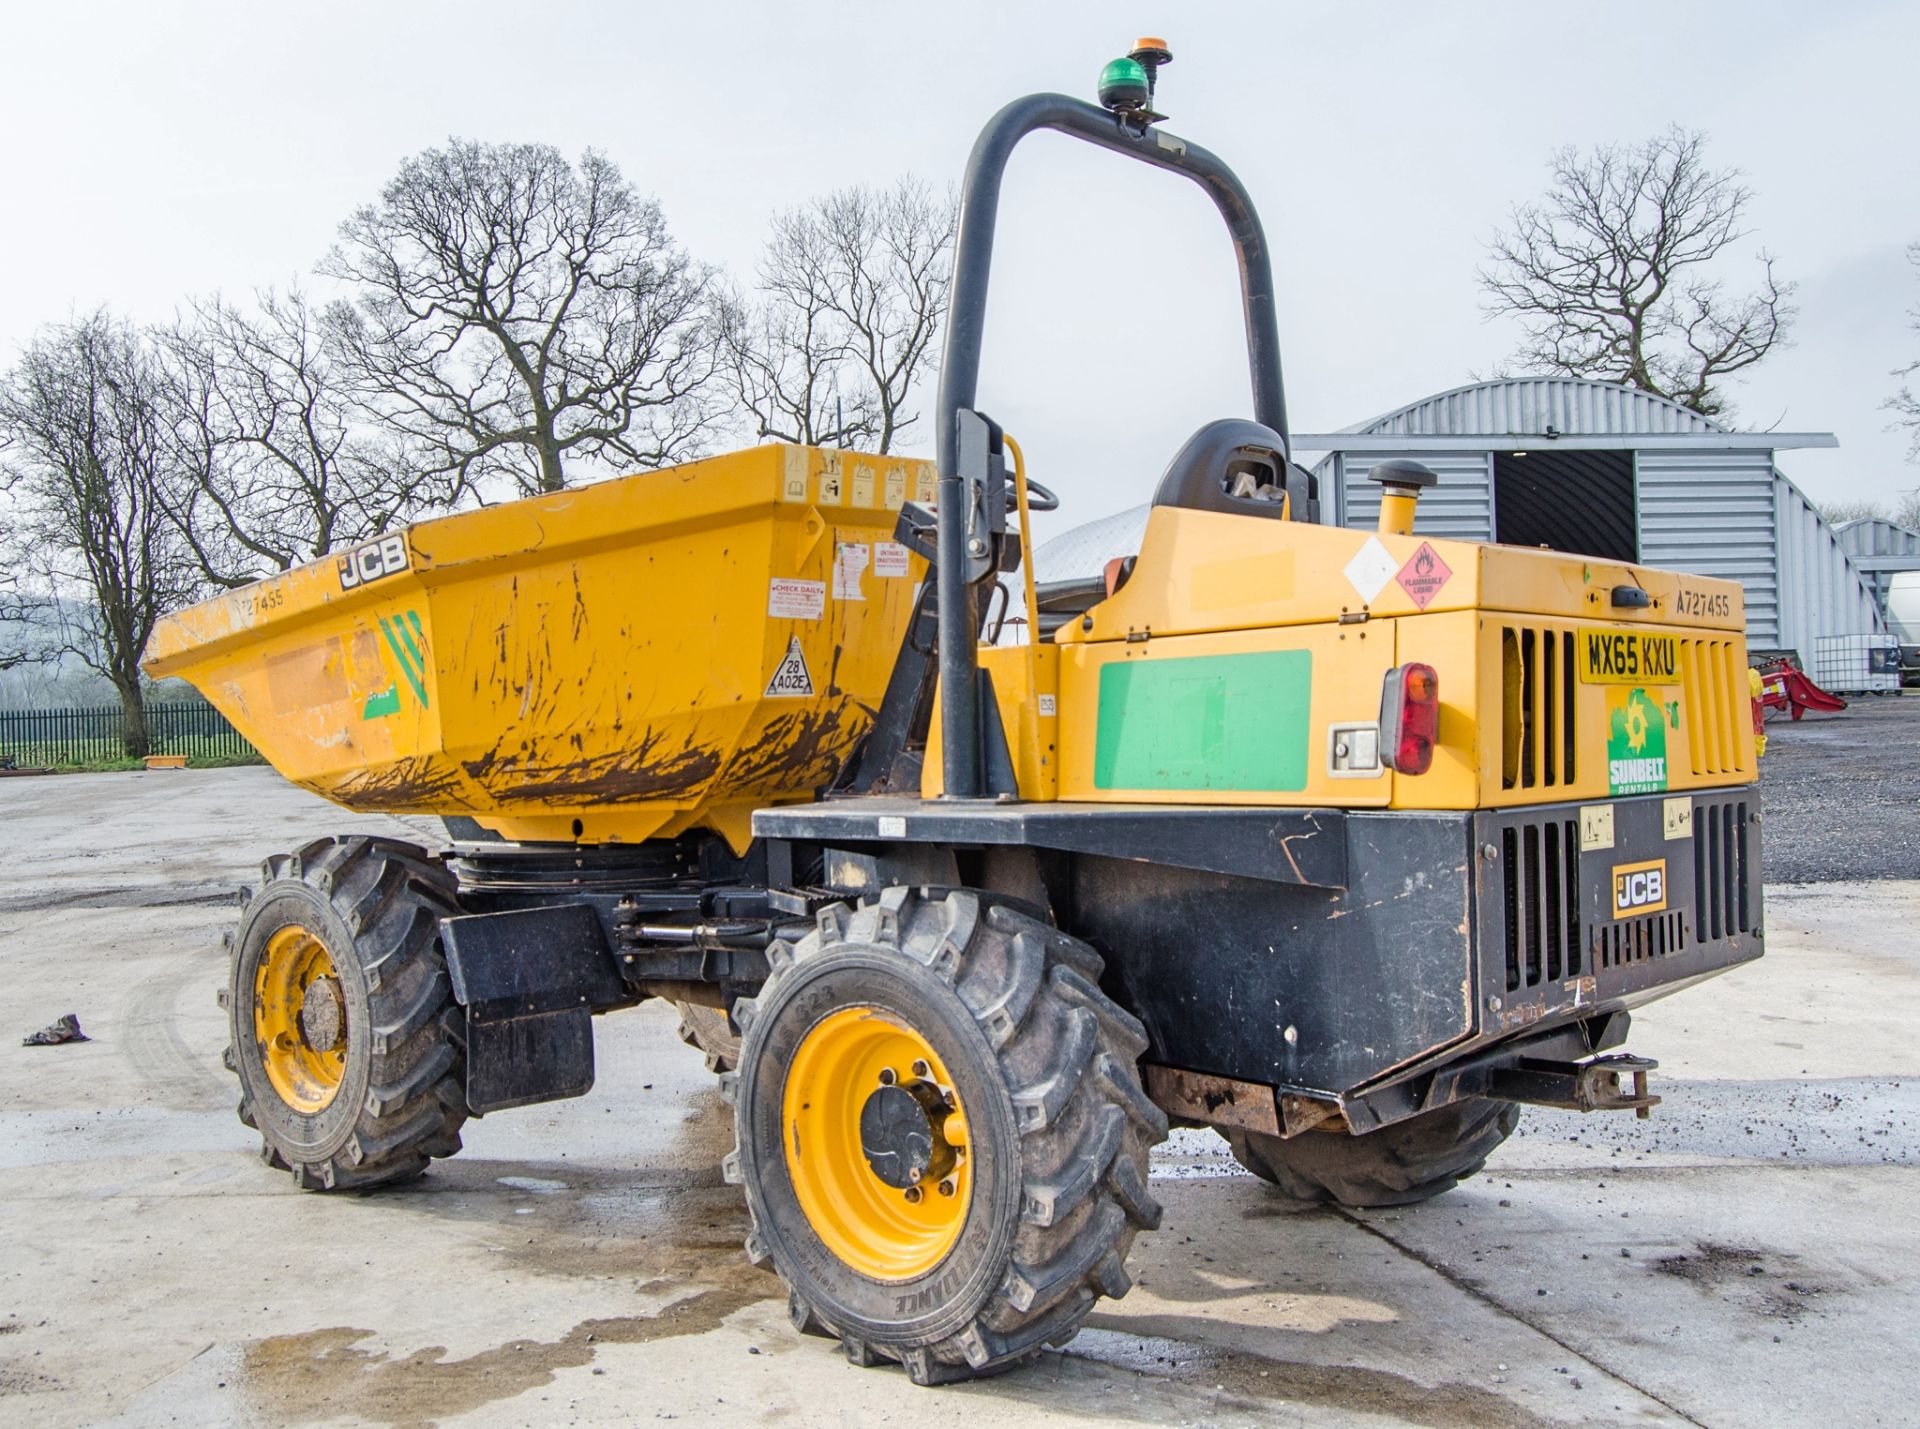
1749,1256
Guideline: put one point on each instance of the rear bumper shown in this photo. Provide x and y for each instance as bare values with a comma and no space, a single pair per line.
1581,913
1578,910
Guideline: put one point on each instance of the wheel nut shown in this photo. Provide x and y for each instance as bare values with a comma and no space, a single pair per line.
913,1195
887,1078
947,1187
921,1069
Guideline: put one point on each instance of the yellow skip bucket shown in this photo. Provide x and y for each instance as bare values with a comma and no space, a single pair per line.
631,659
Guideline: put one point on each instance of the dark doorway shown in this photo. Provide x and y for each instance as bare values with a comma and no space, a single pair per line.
1580,502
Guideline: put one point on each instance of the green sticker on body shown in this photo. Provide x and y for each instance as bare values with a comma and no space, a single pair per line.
1232,722
406,639
1637,741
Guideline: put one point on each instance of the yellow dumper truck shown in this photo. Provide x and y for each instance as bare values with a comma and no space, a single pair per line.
1343,843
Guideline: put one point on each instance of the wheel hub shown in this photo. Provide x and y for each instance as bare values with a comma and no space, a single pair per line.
877,1143
900,1134
299,1019
322,1014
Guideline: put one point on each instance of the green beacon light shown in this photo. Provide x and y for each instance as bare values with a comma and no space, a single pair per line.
1123,86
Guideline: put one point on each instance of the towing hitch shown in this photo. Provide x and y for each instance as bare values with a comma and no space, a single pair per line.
1590,1085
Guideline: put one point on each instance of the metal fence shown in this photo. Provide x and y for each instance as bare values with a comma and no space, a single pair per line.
74,736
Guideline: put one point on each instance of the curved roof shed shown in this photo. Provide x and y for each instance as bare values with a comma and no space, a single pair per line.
1616,472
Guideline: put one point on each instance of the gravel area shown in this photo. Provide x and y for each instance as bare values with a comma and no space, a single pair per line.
1842,793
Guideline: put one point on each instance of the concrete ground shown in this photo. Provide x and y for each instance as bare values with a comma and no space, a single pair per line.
1748,1257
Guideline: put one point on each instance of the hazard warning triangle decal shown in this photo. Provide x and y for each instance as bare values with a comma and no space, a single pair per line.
791,680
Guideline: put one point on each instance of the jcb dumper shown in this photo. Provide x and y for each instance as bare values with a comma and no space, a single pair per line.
1345,843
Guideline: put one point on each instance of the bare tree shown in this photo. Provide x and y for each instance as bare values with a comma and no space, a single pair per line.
279,470
514,311
1609,273
21,616
1903,510
87,465
1904,403
849,298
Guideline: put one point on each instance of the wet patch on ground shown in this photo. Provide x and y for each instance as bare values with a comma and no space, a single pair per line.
304,1378
1175,1348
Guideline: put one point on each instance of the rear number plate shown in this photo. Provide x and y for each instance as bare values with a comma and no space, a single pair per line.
1629,657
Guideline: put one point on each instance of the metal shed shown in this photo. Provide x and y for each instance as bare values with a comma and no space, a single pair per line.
1613,471
1880,549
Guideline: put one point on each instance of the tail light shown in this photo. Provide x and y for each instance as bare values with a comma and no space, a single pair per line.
1410,718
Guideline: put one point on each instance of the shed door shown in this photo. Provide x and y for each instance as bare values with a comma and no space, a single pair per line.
1575,501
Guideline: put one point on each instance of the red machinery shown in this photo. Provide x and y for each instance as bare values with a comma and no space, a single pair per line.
1785,686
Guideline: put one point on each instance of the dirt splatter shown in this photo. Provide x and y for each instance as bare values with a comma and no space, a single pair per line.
1772,1284
800,750
643,771
404,786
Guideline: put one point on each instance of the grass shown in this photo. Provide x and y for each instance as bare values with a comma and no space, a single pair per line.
57,760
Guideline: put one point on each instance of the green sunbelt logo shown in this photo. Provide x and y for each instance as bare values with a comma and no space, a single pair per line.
1636,743
408,642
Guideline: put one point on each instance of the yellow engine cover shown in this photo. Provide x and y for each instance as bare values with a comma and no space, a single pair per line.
627,660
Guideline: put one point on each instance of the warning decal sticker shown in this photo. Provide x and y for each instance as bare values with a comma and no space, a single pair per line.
890,558
796,600
791,680
1423,575
850,560
1370,569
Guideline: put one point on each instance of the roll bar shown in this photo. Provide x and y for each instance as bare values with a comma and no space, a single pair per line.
959,570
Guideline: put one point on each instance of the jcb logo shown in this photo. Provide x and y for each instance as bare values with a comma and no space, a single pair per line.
384,557
1639,888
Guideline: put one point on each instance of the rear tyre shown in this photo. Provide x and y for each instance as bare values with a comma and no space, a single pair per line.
941,1133
707,1030
346,1039
1397,1165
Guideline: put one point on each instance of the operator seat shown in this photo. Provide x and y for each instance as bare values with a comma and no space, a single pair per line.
1232,465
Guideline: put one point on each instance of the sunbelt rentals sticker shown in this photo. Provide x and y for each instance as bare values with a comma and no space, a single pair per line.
1637,740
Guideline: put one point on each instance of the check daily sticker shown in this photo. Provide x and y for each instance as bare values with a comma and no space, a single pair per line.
796,600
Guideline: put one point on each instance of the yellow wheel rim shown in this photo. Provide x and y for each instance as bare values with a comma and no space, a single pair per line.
883,1230
299,1020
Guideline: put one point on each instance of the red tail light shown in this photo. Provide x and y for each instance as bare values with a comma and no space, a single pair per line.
1410,718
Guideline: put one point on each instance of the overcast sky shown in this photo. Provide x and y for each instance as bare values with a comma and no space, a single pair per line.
154,151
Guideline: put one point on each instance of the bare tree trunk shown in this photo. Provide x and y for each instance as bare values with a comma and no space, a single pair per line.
133,717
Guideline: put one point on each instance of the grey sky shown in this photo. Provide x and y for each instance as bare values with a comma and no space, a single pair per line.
155,151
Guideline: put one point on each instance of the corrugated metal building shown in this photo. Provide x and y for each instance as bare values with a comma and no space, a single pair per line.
1880,549
1592,467
1614,471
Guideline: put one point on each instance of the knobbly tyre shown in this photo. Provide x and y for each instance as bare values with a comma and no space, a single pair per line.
1344,843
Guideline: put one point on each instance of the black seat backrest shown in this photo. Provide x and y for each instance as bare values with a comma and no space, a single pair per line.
1205,473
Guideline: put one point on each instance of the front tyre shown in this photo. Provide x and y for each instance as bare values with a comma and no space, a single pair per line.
941,1132
346,1038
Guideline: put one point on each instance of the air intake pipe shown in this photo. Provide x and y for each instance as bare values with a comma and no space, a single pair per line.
1401,482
